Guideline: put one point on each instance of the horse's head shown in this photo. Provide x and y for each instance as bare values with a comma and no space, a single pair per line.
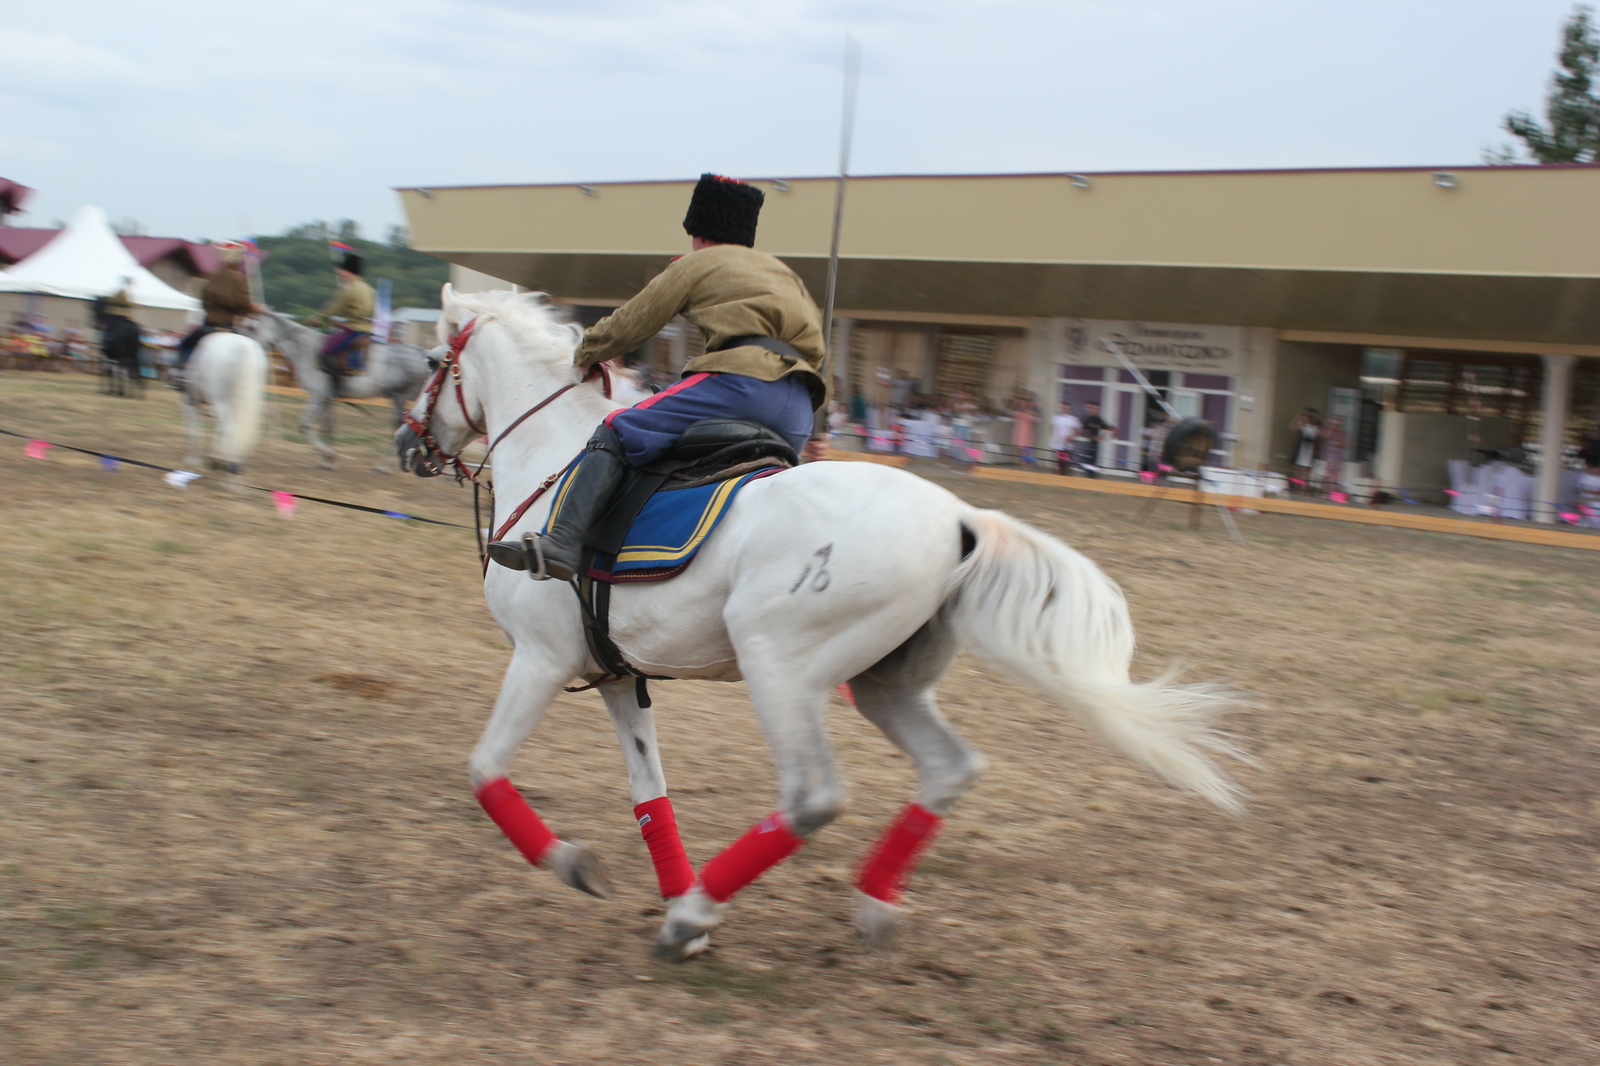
450,414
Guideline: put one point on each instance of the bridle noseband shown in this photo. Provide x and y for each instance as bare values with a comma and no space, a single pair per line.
432,455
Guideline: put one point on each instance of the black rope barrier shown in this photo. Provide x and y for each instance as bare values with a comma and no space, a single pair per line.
278,493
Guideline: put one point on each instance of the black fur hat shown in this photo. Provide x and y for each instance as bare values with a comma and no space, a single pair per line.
353,263
724,210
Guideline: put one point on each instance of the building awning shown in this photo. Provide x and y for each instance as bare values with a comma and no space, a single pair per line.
1471,253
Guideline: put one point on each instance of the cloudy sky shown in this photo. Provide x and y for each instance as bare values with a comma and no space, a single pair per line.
212,118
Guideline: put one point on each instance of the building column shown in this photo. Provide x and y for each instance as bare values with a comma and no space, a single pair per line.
1046,345
1552,434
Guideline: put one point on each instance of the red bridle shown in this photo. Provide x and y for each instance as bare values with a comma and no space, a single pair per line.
450,366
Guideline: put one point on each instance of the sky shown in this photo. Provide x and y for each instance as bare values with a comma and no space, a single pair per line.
215,119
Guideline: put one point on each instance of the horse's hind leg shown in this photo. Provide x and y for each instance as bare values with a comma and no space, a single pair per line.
525,694
791,713
318,409
897,696
636,732
195,432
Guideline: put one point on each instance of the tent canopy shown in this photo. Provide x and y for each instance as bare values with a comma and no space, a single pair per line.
86,260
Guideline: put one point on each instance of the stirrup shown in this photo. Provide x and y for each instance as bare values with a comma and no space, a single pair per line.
528,555
533,552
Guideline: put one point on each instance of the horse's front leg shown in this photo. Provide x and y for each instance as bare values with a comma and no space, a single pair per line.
194,432
388,461
318,409
636,732
790,707
530,684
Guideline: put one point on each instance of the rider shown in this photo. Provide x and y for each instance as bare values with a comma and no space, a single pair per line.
353,305
226,299
763,360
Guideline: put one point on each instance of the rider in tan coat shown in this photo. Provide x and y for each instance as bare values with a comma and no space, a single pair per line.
763,361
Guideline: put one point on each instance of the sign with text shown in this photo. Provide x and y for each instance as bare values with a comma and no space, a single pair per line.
1158,345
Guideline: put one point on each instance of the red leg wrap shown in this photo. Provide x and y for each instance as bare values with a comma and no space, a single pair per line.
516,819
768,843
883,875
660,829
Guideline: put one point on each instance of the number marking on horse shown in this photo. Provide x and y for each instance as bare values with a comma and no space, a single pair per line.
821,579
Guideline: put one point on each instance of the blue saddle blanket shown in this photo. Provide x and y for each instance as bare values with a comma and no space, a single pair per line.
663,540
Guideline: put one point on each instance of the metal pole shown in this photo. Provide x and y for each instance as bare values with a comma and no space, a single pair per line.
847,122
1144,382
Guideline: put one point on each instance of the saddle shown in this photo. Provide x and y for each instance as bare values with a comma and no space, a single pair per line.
711,450
351,359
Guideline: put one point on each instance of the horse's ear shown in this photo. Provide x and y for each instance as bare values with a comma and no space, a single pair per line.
447,300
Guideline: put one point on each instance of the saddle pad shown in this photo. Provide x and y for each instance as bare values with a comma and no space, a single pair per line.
663,540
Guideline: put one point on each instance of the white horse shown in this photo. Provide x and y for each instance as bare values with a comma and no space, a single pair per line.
394,371
826,573
226,375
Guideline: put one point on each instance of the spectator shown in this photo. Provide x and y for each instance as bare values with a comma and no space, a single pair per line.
1094,431
1064,429
1307,426
1024,427
1334,442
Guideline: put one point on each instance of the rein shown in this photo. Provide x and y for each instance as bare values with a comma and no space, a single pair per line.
451,366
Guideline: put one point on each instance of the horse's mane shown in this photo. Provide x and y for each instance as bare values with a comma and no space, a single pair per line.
531,315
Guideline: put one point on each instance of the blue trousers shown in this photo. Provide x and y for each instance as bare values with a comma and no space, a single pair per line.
649,428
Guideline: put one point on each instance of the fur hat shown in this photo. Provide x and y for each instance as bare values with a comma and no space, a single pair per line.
353,263
724,210
231,252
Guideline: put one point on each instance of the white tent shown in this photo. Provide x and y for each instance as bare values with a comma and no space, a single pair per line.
86,260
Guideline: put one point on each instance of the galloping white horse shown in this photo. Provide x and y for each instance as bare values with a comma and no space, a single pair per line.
826,573
227,375
395,371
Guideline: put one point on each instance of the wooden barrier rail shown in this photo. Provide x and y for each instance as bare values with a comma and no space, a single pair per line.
1549,537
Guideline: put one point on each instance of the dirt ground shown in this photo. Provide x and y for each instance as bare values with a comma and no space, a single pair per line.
235,825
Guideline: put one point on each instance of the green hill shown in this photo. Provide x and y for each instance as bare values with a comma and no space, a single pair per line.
297,272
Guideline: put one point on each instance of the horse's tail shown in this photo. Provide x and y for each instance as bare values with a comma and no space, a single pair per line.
1037,610
247,393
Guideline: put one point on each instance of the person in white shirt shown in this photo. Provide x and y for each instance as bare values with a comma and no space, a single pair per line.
1064,429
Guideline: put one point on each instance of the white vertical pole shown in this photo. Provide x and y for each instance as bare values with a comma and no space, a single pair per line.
847,124
1552,434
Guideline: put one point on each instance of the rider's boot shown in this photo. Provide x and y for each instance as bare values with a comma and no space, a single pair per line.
586,495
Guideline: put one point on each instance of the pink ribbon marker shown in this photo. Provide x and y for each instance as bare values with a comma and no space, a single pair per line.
35,449
1339,497
1570,518
285,502
1147,476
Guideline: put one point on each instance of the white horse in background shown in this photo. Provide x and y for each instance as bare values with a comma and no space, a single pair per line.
827,573
227,376
393,371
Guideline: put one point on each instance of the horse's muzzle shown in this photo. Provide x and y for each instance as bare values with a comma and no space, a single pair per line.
413,453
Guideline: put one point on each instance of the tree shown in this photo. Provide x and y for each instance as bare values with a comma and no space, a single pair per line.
1571,109
298,268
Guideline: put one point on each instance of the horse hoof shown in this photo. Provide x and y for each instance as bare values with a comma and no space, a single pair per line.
579,865
687,930
681,951
325,463
876,922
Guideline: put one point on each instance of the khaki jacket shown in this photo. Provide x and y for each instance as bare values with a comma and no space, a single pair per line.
226,297
728,291
354,302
